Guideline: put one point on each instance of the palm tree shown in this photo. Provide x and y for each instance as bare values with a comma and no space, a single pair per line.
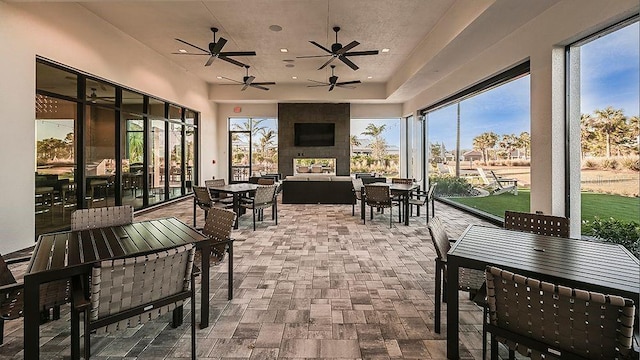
484,142
509,144
354,141
609,122
378,145
524,142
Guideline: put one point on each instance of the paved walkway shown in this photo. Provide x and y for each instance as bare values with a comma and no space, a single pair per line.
319,285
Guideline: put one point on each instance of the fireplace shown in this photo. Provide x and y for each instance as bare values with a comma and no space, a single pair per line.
314,166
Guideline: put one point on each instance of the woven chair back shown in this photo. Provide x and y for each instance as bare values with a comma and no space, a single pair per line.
263,197
378,196
202,196
357,187
537,223
265,181
122,284
218,226
101,217
402,181
585,323
214,183
439,238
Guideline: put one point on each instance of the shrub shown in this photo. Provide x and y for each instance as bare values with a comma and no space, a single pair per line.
609,164
590,164
452,186
625,233
630,163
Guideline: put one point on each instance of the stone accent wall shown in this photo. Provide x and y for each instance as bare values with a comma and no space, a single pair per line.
291,113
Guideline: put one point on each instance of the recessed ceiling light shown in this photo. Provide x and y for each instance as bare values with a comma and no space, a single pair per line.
385,50
182,50
369,77
289,65
275,28
218,77
284,50
294,77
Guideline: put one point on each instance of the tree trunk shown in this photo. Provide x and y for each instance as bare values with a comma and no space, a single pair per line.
608,145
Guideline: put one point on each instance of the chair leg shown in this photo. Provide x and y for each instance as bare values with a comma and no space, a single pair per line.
512,354
494,347
372,213
275,211
193,318
56,312
438,297
391,216
1,331
254,219
87,336
484,332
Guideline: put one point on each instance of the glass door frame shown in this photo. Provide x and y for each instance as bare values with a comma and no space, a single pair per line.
231,166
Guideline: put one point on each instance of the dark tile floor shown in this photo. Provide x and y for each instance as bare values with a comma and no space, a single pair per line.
319,285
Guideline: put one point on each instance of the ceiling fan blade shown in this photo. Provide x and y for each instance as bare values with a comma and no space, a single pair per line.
327,63
349,46
197,47
259,87
312,56
321,47
244,87
218,46
238,53
263,83
361,53
249,80
179,53
230,60
319,82
348,62
211,58
331,87
236,81
349,82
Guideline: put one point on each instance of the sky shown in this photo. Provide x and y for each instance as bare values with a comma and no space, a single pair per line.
391,131
610,76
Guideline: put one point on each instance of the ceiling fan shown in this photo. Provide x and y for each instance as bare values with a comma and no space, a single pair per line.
248,81
215,51
333,82
340,52
94,98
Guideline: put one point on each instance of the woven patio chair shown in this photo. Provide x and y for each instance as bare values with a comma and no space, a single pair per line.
218,226
131,291
468,279
543,320
263,198
420,198
537,223
83,219
266,181
52,295
202,199
357,193
402,181
380,198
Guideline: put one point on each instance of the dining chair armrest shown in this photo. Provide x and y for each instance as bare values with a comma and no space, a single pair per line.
195,271
17,260
80,302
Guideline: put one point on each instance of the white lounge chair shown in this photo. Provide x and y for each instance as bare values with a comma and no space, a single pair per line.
498,184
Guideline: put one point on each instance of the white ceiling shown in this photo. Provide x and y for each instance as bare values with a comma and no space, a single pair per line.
408,28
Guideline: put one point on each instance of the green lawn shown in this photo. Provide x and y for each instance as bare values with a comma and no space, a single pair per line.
601,205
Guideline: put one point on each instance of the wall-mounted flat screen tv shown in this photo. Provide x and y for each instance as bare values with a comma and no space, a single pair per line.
314,134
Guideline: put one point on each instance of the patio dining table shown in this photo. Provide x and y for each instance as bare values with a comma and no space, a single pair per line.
67,254
236,190
589,265
403,190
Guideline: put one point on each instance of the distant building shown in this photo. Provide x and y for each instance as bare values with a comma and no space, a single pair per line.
472,155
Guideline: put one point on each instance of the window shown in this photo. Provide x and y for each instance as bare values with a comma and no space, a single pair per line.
604,78
478,144
253,147
98,144
375,146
